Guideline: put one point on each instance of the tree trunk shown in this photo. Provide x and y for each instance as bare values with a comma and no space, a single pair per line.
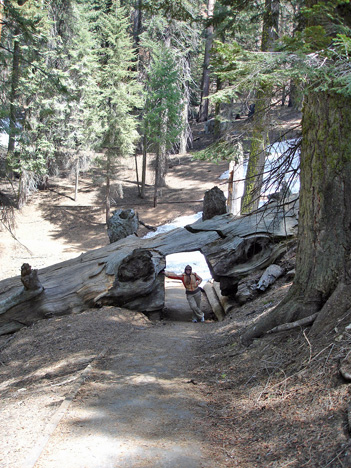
143,174
257,158
1,15
76,180
13,95
235,185
323,264
184,137
128,273
259,142
108,198
205,85
157,175
137,173
137,23
23,189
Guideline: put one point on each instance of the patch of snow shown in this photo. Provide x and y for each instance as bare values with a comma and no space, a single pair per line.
176,262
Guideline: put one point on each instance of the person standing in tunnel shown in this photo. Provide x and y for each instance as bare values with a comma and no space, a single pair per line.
191,282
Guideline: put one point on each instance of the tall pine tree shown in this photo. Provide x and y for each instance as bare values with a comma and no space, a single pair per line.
114,118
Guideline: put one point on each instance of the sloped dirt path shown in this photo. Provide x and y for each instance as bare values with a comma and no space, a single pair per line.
136,408
106,388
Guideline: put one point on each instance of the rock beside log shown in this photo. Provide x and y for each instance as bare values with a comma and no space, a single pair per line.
247,291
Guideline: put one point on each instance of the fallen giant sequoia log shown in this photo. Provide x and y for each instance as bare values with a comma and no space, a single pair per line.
128,273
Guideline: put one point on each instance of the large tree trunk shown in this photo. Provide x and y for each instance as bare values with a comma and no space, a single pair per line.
323,265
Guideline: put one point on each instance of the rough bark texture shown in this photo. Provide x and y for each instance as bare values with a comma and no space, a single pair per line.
123,223
259,142
205,85
214,204
323,264
261,120
128,272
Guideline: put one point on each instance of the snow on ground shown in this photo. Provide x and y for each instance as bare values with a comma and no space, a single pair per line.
177,262
276,153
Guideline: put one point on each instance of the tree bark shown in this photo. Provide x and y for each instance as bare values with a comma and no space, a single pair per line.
76,180
205,85
13,95
128,273
323,264
143,172
1,15
257,158
186,132
259,141
108,198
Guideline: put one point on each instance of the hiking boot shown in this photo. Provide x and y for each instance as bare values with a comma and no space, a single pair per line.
194,320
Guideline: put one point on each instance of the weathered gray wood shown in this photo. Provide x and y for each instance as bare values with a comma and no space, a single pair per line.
129,272
269,277
227,303
214,301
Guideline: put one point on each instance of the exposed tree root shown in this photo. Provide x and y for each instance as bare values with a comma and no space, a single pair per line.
292,313
297,323
288,311
337,307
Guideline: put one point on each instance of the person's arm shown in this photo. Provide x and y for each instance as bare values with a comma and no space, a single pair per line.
198,279
171,275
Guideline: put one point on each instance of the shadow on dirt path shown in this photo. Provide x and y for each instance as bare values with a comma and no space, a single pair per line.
136,408
135,405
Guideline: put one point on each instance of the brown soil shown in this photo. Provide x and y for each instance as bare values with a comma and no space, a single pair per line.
206,402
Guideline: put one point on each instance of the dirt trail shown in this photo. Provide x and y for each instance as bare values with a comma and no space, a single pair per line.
133,405
136,409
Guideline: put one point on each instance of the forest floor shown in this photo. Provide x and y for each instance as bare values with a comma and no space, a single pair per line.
109,388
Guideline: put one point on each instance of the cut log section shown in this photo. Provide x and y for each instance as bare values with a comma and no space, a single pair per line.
214,301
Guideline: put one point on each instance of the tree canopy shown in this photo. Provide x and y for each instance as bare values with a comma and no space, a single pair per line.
101,77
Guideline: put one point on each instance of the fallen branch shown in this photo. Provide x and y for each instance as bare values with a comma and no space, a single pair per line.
298,323
151,228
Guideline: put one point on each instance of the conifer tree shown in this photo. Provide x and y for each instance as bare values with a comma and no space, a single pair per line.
114,119
162,119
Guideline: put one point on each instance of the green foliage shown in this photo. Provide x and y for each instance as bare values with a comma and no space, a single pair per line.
239,21
119,94
183,10
223,150
314,55
162,118
311,39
